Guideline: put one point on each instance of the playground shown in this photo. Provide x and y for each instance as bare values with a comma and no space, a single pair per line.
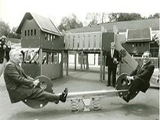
46,54
142,107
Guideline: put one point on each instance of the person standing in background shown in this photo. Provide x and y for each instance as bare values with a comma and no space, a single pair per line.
112,60
2,53
8,49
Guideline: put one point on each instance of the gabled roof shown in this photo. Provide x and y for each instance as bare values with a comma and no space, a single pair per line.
45,24
139,35
121,26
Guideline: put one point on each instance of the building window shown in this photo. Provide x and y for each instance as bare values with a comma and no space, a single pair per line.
31,32
28,32
54,37
35,32
45,36
25,32
48,37
51,37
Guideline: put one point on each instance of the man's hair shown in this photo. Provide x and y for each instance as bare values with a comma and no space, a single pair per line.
150,55
13,52
113,44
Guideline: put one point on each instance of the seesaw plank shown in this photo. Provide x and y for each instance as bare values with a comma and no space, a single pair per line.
93,94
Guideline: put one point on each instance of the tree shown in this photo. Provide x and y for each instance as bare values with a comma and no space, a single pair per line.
129,16
6,31
156,15
116,17
113,17
4,28
70,22
13,33
92,18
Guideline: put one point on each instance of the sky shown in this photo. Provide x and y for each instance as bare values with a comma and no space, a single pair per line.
13,11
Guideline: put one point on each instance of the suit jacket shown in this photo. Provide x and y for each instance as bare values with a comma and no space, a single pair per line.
109,59
18,84
144,74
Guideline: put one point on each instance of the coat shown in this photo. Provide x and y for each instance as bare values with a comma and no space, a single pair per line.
144,74
18,84
109,59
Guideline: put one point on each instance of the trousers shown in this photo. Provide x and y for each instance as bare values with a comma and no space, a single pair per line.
44,96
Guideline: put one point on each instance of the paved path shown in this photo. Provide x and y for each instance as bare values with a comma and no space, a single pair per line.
143,107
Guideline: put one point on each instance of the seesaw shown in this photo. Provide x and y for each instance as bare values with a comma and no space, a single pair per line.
87,97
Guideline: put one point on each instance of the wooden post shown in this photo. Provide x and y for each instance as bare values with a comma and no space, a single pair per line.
81,59
62,53
40,60
87,62
104,64
67,62
101,59
75,61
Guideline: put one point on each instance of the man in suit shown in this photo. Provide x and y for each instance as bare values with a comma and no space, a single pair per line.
21,87
112,60
140,77
157,39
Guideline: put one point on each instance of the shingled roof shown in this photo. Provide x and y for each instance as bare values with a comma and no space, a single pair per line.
137,35
45,24
121,26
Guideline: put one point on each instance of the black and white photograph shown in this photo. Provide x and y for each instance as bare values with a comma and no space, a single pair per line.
79,59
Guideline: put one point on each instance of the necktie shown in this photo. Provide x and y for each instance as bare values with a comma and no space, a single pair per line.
142,65
112,52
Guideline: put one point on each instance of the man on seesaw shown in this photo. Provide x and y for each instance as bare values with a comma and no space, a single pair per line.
140,77
21,87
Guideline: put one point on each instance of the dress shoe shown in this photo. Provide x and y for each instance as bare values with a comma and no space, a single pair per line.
125,98
63,96
57,102
108,85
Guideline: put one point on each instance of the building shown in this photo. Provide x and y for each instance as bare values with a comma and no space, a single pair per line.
144,30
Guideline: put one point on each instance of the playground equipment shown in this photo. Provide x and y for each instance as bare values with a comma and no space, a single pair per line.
46,59
90,43
39,61
87,97
43,49
42,46
99,43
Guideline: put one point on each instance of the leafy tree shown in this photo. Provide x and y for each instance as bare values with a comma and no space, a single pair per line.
115,17
13,33
70,22
6,31
4,28
92,18
156,15
129,16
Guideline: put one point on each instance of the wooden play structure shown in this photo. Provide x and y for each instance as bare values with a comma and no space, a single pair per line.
42,46
99,43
